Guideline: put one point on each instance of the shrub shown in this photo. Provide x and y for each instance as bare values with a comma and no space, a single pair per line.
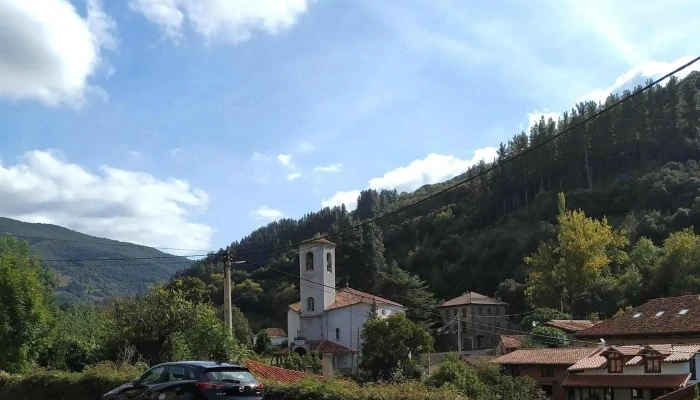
313,389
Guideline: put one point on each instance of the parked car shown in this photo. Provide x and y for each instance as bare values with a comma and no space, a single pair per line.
191,380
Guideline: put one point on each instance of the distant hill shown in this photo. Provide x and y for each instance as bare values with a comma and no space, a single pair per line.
93,280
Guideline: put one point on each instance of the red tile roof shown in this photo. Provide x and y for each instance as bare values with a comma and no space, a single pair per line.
512,342
570,325
347,297
325,347
593,361
563,356
317,239
627,381
276,332
648,323
472,298
672,353
687,393
264,371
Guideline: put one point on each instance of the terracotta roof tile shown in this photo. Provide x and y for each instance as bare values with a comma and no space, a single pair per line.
264,371
627,381
570,325
325,347
512,342
276,332
636,360
472,298
563,356
686,393
681,353
593,361
347,297
671,321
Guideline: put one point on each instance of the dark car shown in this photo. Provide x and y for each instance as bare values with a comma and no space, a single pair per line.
191,380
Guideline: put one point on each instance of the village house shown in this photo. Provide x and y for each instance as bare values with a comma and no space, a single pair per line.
277,336
669,320
632,372
571,326
475,319
508,343
546,366
328,322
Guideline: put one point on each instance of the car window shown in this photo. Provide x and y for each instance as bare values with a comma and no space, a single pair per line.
179,373
152,376
229,374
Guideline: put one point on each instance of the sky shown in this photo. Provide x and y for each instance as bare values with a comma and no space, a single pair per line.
189,123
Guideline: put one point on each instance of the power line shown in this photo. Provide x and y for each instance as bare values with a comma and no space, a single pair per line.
486,170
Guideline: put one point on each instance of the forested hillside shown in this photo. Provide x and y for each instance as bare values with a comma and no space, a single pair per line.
635,165
93,280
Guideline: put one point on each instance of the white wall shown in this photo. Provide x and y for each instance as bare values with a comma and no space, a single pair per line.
278,340
293,324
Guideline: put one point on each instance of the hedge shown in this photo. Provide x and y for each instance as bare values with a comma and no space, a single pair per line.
91,384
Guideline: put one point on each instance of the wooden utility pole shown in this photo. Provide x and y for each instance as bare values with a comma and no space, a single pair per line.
228,315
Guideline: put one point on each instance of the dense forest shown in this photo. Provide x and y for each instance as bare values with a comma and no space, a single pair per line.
635,165
93,280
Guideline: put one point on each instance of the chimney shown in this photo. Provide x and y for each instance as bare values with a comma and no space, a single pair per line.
601,344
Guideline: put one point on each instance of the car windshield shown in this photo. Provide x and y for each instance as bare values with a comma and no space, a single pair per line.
229,374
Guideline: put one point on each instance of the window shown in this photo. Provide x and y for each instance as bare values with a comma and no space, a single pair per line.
329,262
383,311
310,304
498,310
481,311
179,373
515,370
636,393
683,311
488,310
229,373
547,371
660,313
337,333
152,376
652,365
615,363
309,261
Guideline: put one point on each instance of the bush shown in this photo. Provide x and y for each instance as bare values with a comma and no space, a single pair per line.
52,385
313,389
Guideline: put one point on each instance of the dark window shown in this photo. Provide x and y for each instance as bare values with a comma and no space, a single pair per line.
224,373
481,311
309,261
615,363
498,310
547,371
636,393
329,262
692,369
488,310
152,376
310,304
547,390
478,341
179,373
515,370
652,365
337,333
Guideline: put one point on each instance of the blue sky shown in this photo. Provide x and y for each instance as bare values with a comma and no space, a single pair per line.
189,123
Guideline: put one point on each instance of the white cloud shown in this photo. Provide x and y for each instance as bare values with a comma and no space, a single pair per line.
432,169
49,51
638,75
534,118
335,167
293,176
267,213
305,147
231,20
285,159
113,203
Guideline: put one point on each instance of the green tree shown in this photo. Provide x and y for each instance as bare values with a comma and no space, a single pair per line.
205,338
540,316
549,336
585,247
263,343
191,288
389,344
302,363
25,300
407,289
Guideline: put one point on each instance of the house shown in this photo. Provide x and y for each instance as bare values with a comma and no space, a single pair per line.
669,320
632,372
476,319
548,367
272,373
327,321
277,336
508,343
571,326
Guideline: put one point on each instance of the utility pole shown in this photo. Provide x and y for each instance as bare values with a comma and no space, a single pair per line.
459,331
228,315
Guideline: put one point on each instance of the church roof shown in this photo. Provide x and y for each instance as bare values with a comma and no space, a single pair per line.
472,298
347,297
317,238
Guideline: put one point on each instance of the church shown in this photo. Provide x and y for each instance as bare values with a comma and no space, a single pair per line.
327,322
